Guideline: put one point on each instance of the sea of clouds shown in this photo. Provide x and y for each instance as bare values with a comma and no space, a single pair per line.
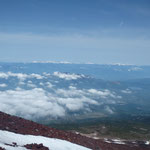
37,96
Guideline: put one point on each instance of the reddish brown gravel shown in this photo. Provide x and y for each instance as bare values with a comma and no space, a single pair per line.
22,126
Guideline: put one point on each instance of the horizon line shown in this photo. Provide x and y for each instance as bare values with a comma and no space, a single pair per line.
67,62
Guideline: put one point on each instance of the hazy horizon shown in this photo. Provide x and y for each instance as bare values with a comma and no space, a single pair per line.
99,31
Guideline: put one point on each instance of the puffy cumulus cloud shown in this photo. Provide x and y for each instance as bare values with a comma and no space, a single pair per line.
41,83
46,74
103,94
3,75
67,76
21,82
74,99
20,76
30,84
38,103
73,92
49,85
72,87
127,91
109,110
37,76
76,104
53,103
30,104
3,85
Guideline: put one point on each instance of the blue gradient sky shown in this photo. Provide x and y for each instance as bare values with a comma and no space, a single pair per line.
98,31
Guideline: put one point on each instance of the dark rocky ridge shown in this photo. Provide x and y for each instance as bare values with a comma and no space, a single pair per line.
22,126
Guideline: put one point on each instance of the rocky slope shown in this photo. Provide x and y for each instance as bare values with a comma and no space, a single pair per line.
26,127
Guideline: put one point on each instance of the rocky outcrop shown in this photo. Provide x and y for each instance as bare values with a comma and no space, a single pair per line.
36,147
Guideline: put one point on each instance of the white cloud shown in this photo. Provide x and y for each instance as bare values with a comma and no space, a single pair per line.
74,99
3,75
103,94
3,85
67,76
30,82
38,103
20,76
76,104
30,104
49,85
109,110
135,69
46,74
70,92
54,102
21,83
127,91
37,76
41,83
31,85
52,62
72,87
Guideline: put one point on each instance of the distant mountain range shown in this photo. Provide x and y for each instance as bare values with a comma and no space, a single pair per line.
106,72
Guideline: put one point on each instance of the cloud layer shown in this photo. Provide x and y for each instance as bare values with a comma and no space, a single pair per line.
38,96
30,103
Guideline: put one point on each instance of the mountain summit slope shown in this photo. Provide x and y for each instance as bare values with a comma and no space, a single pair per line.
9,124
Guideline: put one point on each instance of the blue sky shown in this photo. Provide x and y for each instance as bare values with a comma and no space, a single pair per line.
98,31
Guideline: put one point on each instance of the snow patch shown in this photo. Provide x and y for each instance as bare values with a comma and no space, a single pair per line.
115,141
21,140
147,143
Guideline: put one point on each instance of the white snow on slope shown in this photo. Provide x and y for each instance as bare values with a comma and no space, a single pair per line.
147,143
21,140
115,141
